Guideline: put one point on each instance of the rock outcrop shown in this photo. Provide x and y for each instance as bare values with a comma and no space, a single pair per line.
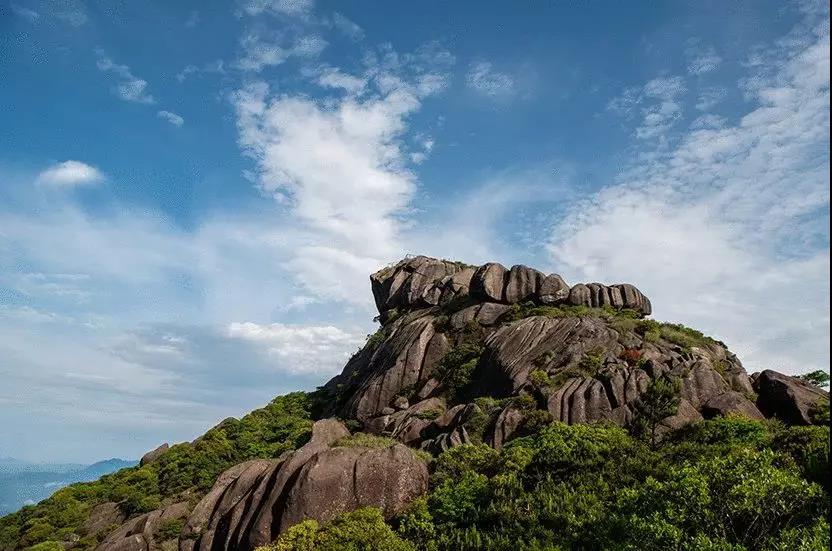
253,502
143,533
153,455
465,354
787,398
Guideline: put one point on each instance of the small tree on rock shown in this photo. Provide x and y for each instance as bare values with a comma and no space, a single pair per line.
659,401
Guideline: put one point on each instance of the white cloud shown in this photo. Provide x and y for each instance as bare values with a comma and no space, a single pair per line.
347,27
725,230
172,118
282,7
710,97
657,102
484,79
213,67
340,166
70,174
260,53
319,350
703,61
72,12
129,87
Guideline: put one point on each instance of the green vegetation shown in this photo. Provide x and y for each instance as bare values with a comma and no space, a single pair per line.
675,333
817,378
529,309
364,440
374,340
456,367
659,401
169,529
361,530
726,484
429,414
282,425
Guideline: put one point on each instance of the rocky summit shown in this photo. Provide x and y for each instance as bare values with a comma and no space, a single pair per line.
463,355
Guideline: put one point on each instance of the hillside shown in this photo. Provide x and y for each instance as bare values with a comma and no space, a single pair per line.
494,408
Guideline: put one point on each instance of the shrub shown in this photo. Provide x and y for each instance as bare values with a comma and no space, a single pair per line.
539,378
456,367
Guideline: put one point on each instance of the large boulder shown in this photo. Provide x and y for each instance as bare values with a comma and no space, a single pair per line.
153,455
488,282
419,282
253,502
344,479
789,399
731,403
142,533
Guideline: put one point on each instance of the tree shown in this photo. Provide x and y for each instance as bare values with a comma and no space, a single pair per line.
817,378
659,401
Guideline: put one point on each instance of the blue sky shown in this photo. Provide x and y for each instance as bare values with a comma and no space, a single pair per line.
192,195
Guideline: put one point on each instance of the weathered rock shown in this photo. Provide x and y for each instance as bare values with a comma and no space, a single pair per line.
488,282
537,342
400,402
419,282
522,283
103,517
731,403
685,415
344,479
787,398
579,295
580,400
490,312
243,507
506,426
153,455
553,290
140,533
406,359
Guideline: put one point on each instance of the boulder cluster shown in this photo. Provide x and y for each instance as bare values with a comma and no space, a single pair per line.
467,354
422,282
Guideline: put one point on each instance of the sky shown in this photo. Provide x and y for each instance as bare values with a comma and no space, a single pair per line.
193,194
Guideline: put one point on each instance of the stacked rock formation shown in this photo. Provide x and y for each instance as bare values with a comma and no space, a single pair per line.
576,354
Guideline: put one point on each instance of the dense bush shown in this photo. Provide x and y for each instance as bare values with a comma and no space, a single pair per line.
361,530
726,484
282,425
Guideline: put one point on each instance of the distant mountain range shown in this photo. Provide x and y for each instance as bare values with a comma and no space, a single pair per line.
23,483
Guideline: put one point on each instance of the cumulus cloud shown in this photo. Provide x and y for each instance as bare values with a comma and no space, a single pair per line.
70,174
172,118
484,79
340,166
725,229
129,87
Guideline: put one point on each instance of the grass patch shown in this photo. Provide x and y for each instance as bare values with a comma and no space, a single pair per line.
364,440
529,309
429,414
